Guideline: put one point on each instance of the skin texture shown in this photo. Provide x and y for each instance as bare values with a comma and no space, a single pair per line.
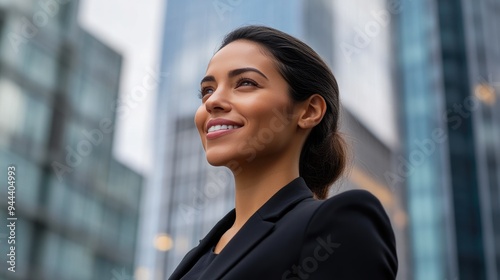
242,84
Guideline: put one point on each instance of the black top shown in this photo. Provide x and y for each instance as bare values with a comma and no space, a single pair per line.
294,236
200,266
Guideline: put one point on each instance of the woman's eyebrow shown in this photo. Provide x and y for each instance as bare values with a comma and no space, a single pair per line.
207,79
234,73
239,71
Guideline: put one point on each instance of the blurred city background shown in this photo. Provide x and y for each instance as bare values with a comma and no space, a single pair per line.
96,114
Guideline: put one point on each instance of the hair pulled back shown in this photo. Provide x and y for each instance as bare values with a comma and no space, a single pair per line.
323,156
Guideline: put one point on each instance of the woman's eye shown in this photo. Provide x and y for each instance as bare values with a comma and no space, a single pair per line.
204,91
246,82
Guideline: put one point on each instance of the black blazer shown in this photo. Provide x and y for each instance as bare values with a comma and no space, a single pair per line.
294,236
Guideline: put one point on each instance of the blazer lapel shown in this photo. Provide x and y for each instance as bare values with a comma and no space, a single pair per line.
205,244
256,228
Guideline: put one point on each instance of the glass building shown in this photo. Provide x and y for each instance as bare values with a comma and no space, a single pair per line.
449,60
76,206
185,196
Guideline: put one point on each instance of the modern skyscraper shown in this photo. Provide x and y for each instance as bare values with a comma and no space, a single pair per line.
185,196
76,206
449,54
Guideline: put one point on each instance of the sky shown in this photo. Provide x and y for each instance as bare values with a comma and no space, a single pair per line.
363,66
133,28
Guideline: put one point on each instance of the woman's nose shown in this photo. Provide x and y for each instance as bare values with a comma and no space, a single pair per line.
219,100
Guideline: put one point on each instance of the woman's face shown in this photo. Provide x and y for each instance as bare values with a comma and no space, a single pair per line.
245,111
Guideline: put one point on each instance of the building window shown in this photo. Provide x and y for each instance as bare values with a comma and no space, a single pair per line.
40,65
2,23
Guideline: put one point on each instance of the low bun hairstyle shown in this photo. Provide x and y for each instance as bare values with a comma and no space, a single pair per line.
323,156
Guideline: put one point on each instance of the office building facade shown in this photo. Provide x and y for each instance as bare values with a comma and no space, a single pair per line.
185,196
449,53
76,206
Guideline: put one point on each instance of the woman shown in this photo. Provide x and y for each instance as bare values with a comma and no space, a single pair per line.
269,113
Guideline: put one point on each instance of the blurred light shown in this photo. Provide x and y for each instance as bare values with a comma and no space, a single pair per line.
485,93
141,273
163,242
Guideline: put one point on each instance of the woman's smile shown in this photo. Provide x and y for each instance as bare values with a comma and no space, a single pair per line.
219,127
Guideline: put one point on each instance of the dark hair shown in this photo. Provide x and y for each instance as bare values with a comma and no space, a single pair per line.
323,157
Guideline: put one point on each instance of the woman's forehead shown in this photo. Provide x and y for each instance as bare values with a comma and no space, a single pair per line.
241,53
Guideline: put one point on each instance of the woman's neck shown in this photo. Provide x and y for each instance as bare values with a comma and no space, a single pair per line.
258,182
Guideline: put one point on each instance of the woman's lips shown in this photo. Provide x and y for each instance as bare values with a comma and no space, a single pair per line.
218,127
218,133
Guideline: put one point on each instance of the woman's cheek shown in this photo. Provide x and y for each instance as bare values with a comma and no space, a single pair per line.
199,120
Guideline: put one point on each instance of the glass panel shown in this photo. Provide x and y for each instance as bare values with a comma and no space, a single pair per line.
95,217
12,48
75,262
78,150
27,180
40,66
22,116
48,260
95,101
76,209
12,110
28,183
110,226
57,199
37,125
49,255
128,233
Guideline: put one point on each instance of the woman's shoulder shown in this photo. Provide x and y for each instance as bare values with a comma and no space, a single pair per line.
349,211
355,202
359,231
359,209
354,196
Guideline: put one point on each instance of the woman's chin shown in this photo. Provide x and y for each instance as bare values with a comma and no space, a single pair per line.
229,160
215,162
217,158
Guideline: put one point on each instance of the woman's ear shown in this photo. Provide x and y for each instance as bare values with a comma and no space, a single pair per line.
314,109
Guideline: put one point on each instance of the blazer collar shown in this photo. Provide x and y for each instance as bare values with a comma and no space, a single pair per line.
255,229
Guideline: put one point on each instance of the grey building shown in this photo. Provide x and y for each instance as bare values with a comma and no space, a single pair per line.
371,164
185,196
76,206
449,60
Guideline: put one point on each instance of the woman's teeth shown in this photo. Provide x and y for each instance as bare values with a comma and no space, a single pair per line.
222,127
